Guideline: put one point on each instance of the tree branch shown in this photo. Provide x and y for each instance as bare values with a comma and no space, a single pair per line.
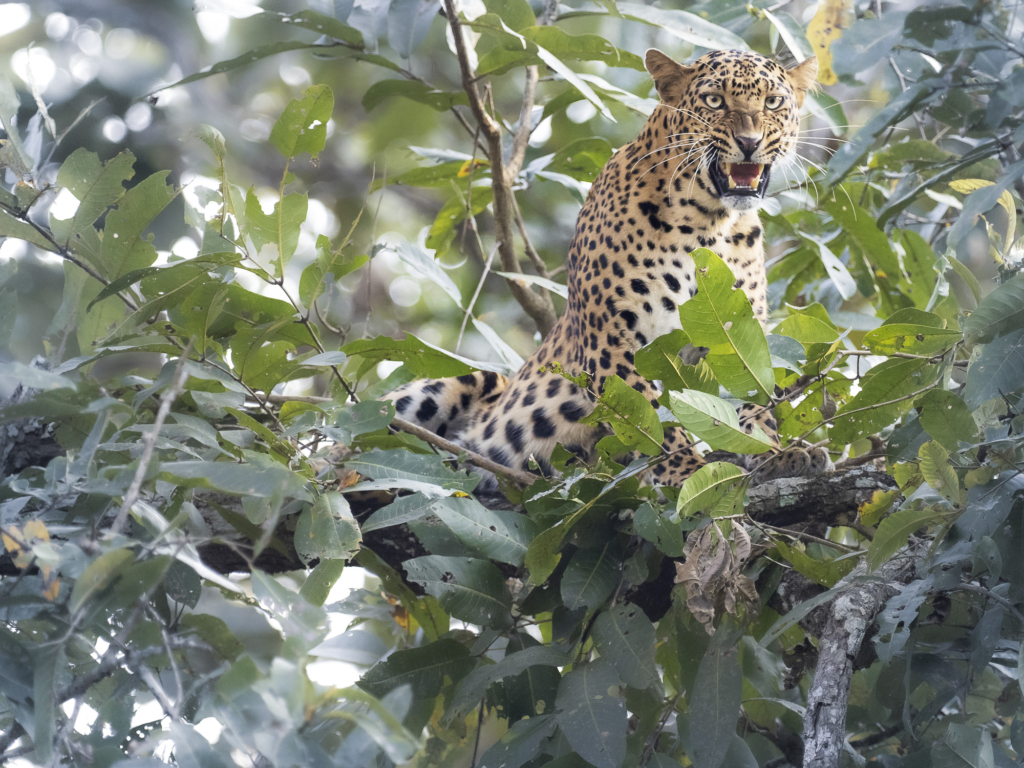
851,615
537,305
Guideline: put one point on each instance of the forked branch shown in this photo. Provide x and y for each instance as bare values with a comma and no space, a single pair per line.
537,305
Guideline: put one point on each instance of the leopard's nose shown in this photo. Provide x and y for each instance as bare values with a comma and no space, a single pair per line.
748,144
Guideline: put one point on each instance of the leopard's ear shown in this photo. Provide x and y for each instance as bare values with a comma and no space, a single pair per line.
670,77
804,78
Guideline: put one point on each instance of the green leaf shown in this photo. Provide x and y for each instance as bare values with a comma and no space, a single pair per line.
910,338
422,359
860,225
414,90
894,531
998,371
22,230
424,668
441,175
808,327
493,25
302,126
402,510
624,635
311,283
100,573
946,418
279,228
591,576
475,684
939,474
500,60
401,467
582,159
327,530
658,529
46,661
556,288
469,589
499,535
443,231
247,58
889,383
358,419
592,715
519,744
630,415
424,265
720,317
324,24
193,750
124,248
686,26
266,480
825,572
894,112
96,186
715,421
702,490
999,313
660,361
715,701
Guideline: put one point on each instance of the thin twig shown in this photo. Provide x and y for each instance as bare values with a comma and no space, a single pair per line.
472,302
150,438
479,727
807,537
1001,601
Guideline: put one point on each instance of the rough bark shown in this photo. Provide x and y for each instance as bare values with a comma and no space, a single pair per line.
850,616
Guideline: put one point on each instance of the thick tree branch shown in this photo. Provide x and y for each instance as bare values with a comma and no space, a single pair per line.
538,306
851,615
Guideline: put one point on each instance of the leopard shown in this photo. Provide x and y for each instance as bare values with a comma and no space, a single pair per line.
694,177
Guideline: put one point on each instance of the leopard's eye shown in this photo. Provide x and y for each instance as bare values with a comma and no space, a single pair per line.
713,100
773,102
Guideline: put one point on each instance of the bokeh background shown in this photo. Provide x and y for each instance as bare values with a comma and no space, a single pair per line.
95,63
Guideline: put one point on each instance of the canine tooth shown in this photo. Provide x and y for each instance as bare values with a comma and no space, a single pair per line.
732,183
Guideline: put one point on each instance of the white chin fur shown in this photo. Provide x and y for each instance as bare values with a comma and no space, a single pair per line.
742,203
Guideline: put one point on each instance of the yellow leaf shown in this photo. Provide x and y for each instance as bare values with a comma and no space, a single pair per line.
17,545
871,512
827,26
468,166
52,590
966,186
35,529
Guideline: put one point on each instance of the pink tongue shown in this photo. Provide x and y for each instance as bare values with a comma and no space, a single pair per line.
744,173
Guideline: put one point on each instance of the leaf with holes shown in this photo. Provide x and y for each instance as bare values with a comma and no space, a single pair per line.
626,636
475,684
327,530
592,715
97,186
500,535
424,668
469,589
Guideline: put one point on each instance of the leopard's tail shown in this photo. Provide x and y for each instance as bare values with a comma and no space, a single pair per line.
449,407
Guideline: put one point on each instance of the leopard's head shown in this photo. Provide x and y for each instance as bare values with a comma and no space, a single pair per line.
733,115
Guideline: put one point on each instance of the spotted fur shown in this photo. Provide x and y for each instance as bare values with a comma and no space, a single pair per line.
630,268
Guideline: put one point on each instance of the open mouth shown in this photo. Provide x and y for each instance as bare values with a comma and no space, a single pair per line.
740,179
